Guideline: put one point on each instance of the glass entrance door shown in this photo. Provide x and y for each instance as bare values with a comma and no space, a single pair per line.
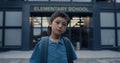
75,32
79,30
39,28
81,35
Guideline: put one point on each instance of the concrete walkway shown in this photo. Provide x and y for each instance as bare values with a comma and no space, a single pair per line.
80,54
98,54
85,56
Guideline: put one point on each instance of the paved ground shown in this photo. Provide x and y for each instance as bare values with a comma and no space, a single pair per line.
85,56
98,61
20,60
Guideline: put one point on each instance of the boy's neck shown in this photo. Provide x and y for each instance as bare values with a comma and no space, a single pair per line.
55,38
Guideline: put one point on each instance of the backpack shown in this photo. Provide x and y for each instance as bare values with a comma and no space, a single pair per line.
44,49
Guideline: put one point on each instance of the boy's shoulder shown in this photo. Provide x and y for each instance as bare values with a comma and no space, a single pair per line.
42,39
45,37
66,39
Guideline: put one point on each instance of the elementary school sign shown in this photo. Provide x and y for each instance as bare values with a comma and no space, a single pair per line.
58,8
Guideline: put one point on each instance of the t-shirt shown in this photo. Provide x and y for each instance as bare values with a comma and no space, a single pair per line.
56,53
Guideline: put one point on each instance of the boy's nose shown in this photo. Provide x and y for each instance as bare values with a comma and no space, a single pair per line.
60,25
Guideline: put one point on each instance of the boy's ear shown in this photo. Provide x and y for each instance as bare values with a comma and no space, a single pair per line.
49,24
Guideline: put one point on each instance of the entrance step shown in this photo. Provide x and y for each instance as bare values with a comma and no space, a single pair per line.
80,60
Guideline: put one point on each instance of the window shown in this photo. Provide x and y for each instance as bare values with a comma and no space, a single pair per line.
107,19
44,31
38,0
104,0
1,18
36,31
75,22
0,37
118,37
13,37
13,18
61,0
40,27
118,1
45,21
118,19
36,21
36,34
40,21
81,0
15,0
108,37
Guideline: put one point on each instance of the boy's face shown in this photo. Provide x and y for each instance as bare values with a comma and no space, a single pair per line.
58,25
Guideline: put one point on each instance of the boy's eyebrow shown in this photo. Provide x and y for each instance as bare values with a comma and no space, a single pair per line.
64,22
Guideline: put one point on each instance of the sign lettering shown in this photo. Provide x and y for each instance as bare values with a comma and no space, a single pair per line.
67,9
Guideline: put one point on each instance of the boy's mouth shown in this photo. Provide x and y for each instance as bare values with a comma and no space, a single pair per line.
59,30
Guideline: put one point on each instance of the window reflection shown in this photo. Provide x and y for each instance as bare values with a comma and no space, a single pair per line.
81,0
45,21
13,18
108,37
61,0
1,18
39,21
35,21
118,19
0,37
105,0
80,21
37,0
15,39
118,1
105,22
118,37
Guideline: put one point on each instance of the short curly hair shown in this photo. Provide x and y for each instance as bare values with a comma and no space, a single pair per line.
55,15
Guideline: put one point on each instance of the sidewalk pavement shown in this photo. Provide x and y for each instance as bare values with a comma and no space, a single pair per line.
84,56
80,54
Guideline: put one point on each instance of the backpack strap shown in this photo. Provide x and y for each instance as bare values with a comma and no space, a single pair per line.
44,49
68,50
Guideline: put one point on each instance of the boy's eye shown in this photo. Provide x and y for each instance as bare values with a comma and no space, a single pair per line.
57,22
64,24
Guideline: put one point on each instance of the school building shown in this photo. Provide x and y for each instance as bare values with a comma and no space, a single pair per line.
94,24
